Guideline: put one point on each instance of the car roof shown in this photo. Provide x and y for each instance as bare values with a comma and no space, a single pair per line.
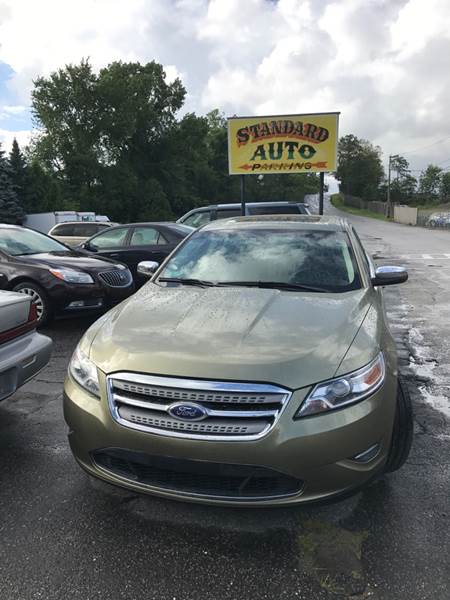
238,205
315,222
165,223
152,223
83,223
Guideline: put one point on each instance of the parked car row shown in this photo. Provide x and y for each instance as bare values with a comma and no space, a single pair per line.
254,368
62,280
90,265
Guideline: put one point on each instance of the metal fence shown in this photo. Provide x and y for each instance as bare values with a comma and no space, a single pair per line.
434,220
374,206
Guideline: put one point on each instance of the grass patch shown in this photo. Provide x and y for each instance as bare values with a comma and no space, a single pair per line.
338,202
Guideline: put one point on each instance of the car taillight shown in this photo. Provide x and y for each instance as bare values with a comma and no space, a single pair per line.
32,315
29,325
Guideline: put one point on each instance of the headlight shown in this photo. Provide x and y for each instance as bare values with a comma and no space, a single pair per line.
341,391
84,371
71,276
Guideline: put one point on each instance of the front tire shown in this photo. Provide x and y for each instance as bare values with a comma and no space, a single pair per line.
402,432
38,297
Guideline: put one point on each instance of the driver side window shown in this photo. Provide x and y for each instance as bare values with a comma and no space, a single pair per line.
110,239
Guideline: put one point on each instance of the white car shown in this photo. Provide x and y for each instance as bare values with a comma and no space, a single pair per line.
23,351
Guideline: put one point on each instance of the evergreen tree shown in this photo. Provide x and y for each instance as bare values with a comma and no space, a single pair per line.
19,175
10,209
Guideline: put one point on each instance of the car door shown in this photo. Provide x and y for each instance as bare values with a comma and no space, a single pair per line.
112,243
147,242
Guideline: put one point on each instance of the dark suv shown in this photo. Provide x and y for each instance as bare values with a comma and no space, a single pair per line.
200,216
59,279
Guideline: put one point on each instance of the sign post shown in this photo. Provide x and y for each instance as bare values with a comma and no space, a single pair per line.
277,145
321,188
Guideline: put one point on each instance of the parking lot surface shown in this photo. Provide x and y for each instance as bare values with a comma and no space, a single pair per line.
64,536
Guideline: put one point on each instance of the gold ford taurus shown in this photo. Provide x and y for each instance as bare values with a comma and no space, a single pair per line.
255,368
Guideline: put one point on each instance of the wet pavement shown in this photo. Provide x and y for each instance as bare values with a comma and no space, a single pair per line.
64,536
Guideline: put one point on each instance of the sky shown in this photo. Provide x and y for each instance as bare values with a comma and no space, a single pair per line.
384,64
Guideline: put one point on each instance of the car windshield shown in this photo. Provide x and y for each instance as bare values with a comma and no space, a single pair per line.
17,242
323,260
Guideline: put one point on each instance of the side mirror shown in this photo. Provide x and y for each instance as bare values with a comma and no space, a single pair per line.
389,275
87,246
146,268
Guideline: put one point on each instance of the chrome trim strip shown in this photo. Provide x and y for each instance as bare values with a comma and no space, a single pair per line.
210,412
199,384
195,384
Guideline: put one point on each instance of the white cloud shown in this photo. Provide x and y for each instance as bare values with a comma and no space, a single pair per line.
383,63
7,137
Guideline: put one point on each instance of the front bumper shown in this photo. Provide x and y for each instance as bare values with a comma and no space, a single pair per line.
316,451
69,298
21,359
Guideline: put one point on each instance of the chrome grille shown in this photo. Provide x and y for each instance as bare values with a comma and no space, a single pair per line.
228,410
116,277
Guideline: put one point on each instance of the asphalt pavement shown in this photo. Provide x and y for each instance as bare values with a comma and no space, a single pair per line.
64,536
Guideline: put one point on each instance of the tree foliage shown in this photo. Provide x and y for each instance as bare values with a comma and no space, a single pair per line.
445,187
112,142
360,169
403,184
430,183
10,209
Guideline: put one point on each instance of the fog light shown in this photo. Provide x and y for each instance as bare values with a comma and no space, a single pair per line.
91,303
367,455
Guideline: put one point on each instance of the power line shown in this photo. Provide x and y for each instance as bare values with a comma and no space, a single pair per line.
425,147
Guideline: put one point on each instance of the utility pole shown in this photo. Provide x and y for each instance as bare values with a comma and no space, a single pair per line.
389,203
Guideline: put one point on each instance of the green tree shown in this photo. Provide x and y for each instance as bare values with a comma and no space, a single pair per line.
360,169
430,183
19,174
444,191
403,184
91,122
44,192
10,209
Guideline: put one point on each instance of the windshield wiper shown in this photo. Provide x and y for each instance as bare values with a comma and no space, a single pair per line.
276,285
187,281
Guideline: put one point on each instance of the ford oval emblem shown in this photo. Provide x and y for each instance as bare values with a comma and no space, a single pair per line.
187,411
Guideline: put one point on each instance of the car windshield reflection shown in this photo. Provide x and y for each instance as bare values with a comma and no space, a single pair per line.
319,260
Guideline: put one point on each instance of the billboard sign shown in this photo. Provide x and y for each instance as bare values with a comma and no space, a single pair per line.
283,144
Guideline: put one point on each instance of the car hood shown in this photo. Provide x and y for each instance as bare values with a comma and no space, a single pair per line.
244,334
72,260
